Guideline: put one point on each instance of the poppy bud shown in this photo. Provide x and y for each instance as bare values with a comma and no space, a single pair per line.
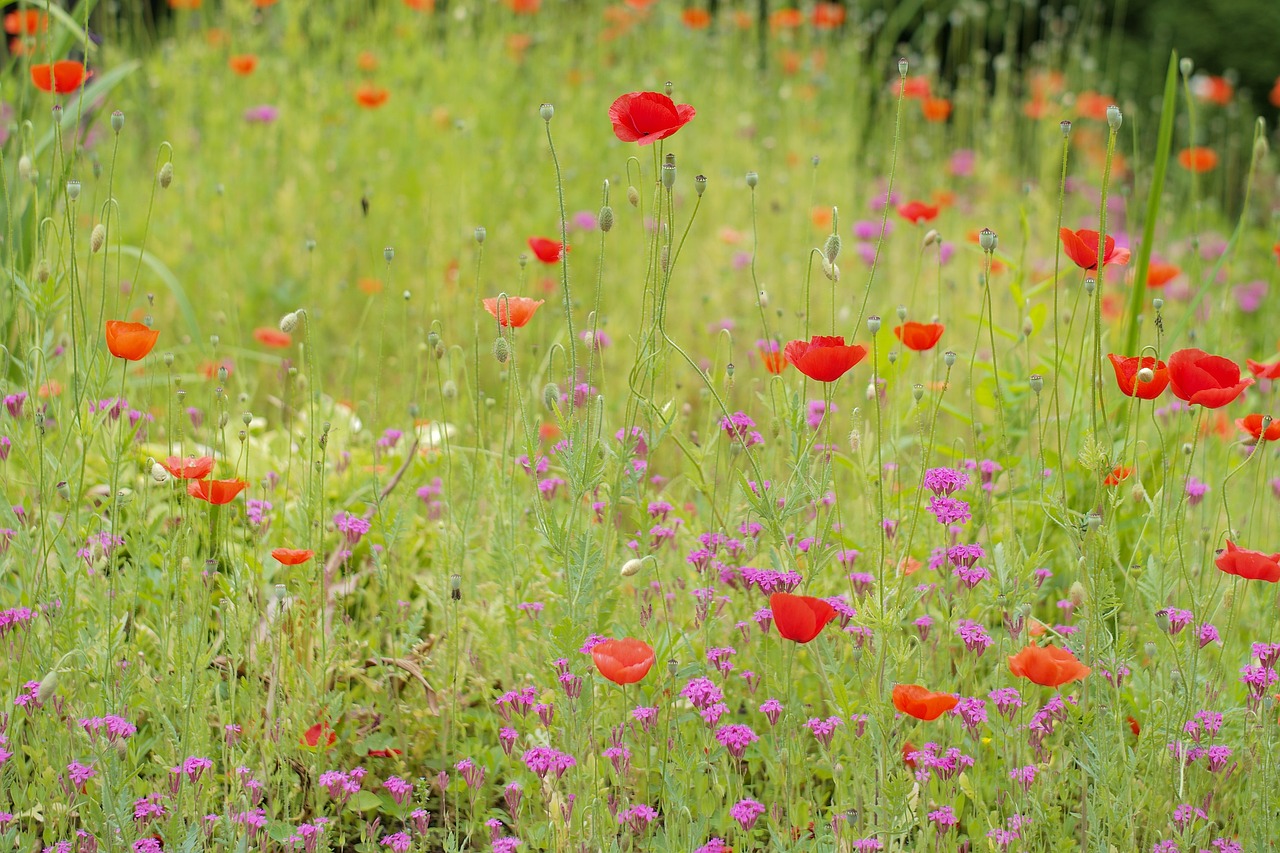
830,270
1146,375
388,253
632,567
73,190
48,684
1186,66
309,245
501,351
1186,449
873,323
1114,118
633,196
752,179
903,66
1065,127
1260,148
439,351
97,237
551,396
832,248
1076,593
158,473
1089,285
289,322
1037,383
480,234
547,111
987,240
949,358
605,219
166,175
25,169
42,271
930,237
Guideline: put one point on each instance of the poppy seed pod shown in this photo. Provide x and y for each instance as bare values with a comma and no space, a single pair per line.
1089,285
388,254
949,358
480,234
917,391
73,189
547,111
1114,118
1037,383
455,587
1065,127
669,88
1186,66
699,184
902,312
903,66
752,179
987,240
166,175
64,491
633,196
873,324
97,238
669,171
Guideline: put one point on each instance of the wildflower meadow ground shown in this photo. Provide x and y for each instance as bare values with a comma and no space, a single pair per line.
652,426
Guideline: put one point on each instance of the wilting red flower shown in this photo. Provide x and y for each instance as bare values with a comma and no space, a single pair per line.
292,556
695,18
1158,275
547,250
243,64
130,341
935,109
25,23
184,4
1198,159
1205,380
191,468
913,700
916,212
217,492
1252,424
1048,666
919,336
1118,475
824,358
800,618
1263,371
1250,565
62,77
272,337
1127,375
371,97
646,117
520,307
313,736
624,661
1082,248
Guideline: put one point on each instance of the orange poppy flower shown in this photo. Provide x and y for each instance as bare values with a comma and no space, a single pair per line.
1133,725
292,556
936,109
1127,375
52,388
1118,475
624,661
62,77
524,7
1250,565
217,492
774,361
262,4
1212,89
272,337
696,19
1092,105
786,19
1275,94
191,468
521,310
367,60
421,5
1252,424
243,64
919,336
1047,666
1263,371
25,23
130,341
916,212
828,16
915,701
799,618
371,97
1198,159
1158,275
370,286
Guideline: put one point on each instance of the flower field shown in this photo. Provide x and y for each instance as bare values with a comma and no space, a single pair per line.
538,425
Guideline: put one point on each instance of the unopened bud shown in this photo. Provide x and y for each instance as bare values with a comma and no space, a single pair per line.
158,473
633,196
501,351
166,175
764,299
606,219
830,270
930,237
551,396
1146,375
25,168
97,237
289,322
42,270
48,684
449,389
632,567
832,248
1186,66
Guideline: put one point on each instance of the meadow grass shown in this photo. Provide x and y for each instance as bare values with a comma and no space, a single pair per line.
927,593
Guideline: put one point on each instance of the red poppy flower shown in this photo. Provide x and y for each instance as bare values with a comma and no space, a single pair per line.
243,64
916,212
1250,565
1118,475
800,618
1127,375
1275,94
623,661
1213,89
915,88
919,336
696,19
521,308
371,97
824,358
1048,666
62,77
646,117
828,16
1158,275
909,749
1206,380
292,556
130,341
914,701
217,492
935,109
1133,725
1082,248
272,337
191,468
1198,159
420,6
1252,424
1092,105
1263,371
385,753
313,736
774,361
786,19
524,7
547,250
25,23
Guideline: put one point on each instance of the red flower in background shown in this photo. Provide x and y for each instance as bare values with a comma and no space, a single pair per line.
800,618
1158,275
1127,375
696,19
130,341
216,492
1048,666
25,23
272,337
191,468
320,732
1198,159
935,109
371,97
243,64
1205,380
292,556
547,250
521,309
623,661
774,361
1118,475
824,358
1250,565
915,701
646,117
916,212
1252,424
1082,248
828,16
919,336
62,77
1263,371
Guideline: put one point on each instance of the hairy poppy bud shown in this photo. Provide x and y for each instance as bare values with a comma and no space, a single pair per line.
606,219
1186,66
832,248
25,168
551,395
449,389
166,175
42,270
501,351
547,111
48,684
752,179
73,189
633,196
1146,375
97,238
830,270
158,473
289,322
439,351
632,567
1114,118
930,237
764,299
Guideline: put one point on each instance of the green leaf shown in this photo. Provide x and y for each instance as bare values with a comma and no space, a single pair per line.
365,801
